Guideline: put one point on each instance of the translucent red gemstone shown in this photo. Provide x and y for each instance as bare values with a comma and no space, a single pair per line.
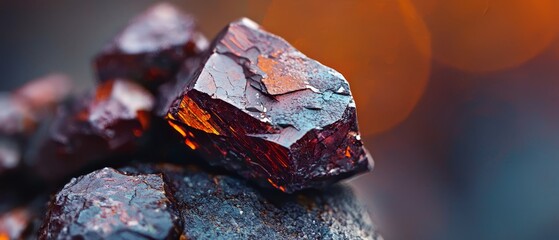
259,107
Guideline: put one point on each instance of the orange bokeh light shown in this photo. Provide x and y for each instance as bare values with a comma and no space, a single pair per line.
382,47
490,35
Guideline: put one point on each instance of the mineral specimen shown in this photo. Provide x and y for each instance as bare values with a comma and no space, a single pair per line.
152,47
108,204
260,108
92,128
22,112
24,107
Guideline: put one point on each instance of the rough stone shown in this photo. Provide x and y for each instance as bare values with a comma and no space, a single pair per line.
264,110
91,128
215,206
152,47
23,110
108,204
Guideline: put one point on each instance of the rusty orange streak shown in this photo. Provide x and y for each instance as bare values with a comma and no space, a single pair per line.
278,79
276,186
177,128
193,116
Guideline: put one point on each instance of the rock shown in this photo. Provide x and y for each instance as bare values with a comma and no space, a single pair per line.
267,112
23,111
152,47
215,206
92,128
107,204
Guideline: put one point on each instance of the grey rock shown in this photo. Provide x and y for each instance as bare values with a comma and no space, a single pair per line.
214,206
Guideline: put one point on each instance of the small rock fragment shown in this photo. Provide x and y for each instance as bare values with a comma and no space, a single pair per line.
92,128
44,93
152,47
108,204
23,110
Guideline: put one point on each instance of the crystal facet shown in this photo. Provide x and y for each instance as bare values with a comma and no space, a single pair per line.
259,107
152,47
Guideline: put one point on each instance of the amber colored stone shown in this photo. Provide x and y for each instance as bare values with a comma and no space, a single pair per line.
93,127
152,47
260,108
108,204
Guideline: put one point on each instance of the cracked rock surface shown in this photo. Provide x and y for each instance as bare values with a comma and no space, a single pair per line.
215,206
167,201
107,204
261,108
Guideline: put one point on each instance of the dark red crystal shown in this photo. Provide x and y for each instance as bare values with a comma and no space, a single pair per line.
108,204
259,107
93,127
152,47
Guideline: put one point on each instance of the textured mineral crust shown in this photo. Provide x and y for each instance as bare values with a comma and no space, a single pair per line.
108,204
264,110
93,127
152,47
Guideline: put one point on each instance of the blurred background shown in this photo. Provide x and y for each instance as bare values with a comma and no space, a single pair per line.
457,100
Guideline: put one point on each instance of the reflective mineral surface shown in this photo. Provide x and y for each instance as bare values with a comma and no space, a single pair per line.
133,151
151,48
108,204
264,110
